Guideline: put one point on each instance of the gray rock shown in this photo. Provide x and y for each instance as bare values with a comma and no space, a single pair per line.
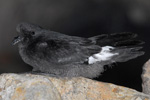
146,78
27,87
40,87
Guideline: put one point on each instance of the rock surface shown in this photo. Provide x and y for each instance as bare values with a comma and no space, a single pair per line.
146,78
39,87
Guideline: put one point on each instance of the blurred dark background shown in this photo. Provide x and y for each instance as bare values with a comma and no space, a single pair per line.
80,18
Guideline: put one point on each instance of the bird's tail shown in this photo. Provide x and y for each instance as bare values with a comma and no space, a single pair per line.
126,46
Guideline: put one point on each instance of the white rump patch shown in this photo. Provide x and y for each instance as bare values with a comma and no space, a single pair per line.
103,55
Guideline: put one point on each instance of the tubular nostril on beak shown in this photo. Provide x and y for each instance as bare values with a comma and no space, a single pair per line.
16,40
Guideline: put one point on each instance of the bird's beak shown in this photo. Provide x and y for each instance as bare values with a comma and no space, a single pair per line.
17,40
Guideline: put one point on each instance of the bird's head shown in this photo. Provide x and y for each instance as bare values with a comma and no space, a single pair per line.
26,32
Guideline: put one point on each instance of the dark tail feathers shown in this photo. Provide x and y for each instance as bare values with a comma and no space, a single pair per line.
125,54
126,45
117,39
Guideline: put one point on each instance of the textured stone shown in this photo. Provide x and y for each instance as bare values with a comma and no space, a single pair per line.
146,78
27,87
38,87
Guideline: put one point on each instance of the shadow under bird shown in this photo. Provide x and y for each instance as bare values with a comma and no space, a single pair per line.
71,56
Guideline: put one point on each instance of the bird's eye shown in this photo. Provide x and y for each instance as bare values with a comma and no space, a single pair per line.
32,33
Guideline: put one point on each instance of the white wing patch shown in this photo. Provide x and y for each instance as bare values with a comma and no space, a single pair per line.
103,55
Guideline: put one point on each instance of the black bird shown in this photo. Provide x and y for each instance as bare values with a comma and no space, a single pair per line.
70,56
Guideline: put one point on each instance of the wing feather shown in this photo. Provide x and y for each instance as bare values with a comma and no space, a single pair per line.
63,51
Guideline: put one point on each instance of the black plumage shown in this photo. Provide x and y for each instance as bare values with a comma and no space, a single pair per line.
70,56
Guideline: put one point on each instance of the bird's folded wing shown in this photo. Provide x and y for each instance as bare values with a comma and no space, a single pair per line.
63,51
